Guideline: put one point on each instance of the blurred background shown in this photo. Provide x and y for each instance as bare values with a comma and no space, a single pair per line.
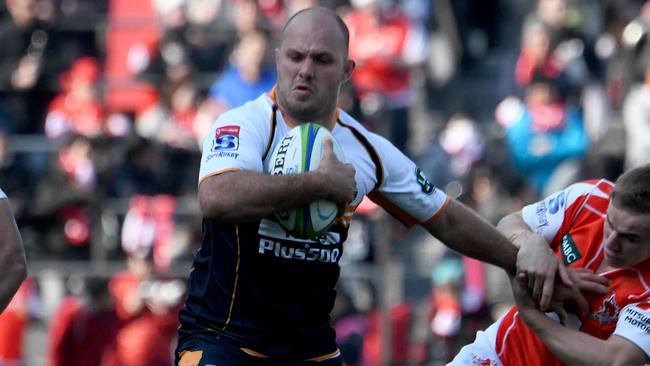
104,103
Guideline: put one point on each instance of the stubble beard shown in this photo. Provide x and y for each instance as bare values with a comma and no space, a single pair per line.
305,111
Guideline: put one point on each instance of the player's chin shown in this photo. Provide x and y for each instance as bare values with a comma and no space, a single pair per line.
617,262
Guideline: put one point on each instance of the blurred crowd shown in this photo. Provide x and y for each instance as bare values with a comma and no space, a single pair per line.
104,105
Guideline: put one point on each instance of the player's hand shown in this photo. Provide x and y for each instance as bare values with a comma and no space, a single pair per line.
564,298
339,177
522,293
536,259
586,280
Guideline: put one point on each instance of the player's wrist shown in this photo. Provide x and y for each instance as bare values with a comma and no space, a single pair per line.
318,185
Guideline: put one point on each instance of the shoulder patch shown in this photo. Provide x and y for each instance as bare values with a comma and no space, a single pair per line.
226,138
426,186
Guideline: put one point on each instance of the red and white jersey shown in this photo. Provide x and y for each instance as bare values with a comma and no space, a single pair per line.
572,221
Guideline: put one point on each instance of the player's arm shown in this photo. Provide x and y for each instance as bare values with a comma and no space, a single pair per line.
13,268
246,196
535,258
463,230
573,347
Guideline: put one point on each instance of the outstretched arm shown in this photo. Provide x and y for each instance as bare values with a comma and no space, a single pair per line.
249,196
13,268
573,347
464,231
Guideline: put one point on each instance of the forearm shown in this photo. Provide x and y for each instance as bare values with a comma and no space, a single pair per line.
513,227
13,268
248,196
464,231
571,346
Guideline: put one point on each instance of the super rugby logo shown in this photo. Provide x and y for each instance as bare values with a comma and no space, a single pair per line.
226,138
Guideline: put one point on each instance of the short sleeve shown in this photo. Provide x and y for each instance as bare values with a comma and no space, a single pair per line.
634,325
236,141
405,191
548,216
2,194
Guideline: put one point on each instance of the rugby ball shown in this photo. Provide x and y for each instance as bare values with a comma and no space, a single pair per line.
301,151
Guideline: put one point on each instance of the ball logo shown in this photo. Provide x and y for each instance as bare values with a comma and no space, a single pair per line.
226,139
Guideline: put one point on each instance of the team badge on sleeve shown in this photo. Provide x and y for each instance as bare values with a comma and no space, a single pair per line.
226,138
427,187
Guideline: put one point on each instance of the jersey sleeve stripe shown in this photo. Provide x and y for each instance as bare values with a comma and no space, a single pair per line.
437,214
217,173
395,211
374,156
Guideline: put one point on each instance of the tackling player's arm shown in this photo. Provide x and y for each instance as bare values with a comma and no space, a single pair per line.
461,229
13,268
248,196
573,347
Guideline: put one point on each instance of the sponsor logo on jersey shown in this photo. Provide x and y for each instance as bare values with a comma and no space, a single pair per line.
570,252
278,164
427,187
275,241
637,319
555,203
222,154
310,252
608,311
542,218
226,138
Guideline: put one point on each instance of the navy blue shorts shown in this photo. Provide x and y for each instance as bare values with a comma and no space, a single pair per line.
223,352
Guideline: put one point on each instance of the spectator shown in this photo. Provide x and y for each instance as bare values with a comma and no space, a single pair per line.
386,45
25,63
171,122
148,308
141,172
14,322
77,110
248,74
636,121
65,202
545,136
567,48
84,327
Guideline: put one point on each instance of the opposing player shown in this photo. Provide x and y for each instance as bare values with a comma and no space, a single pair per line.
13,268
258,296
593,225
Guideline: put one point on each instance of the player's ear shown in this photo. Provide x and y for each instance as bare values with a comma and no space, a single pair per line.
348,67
